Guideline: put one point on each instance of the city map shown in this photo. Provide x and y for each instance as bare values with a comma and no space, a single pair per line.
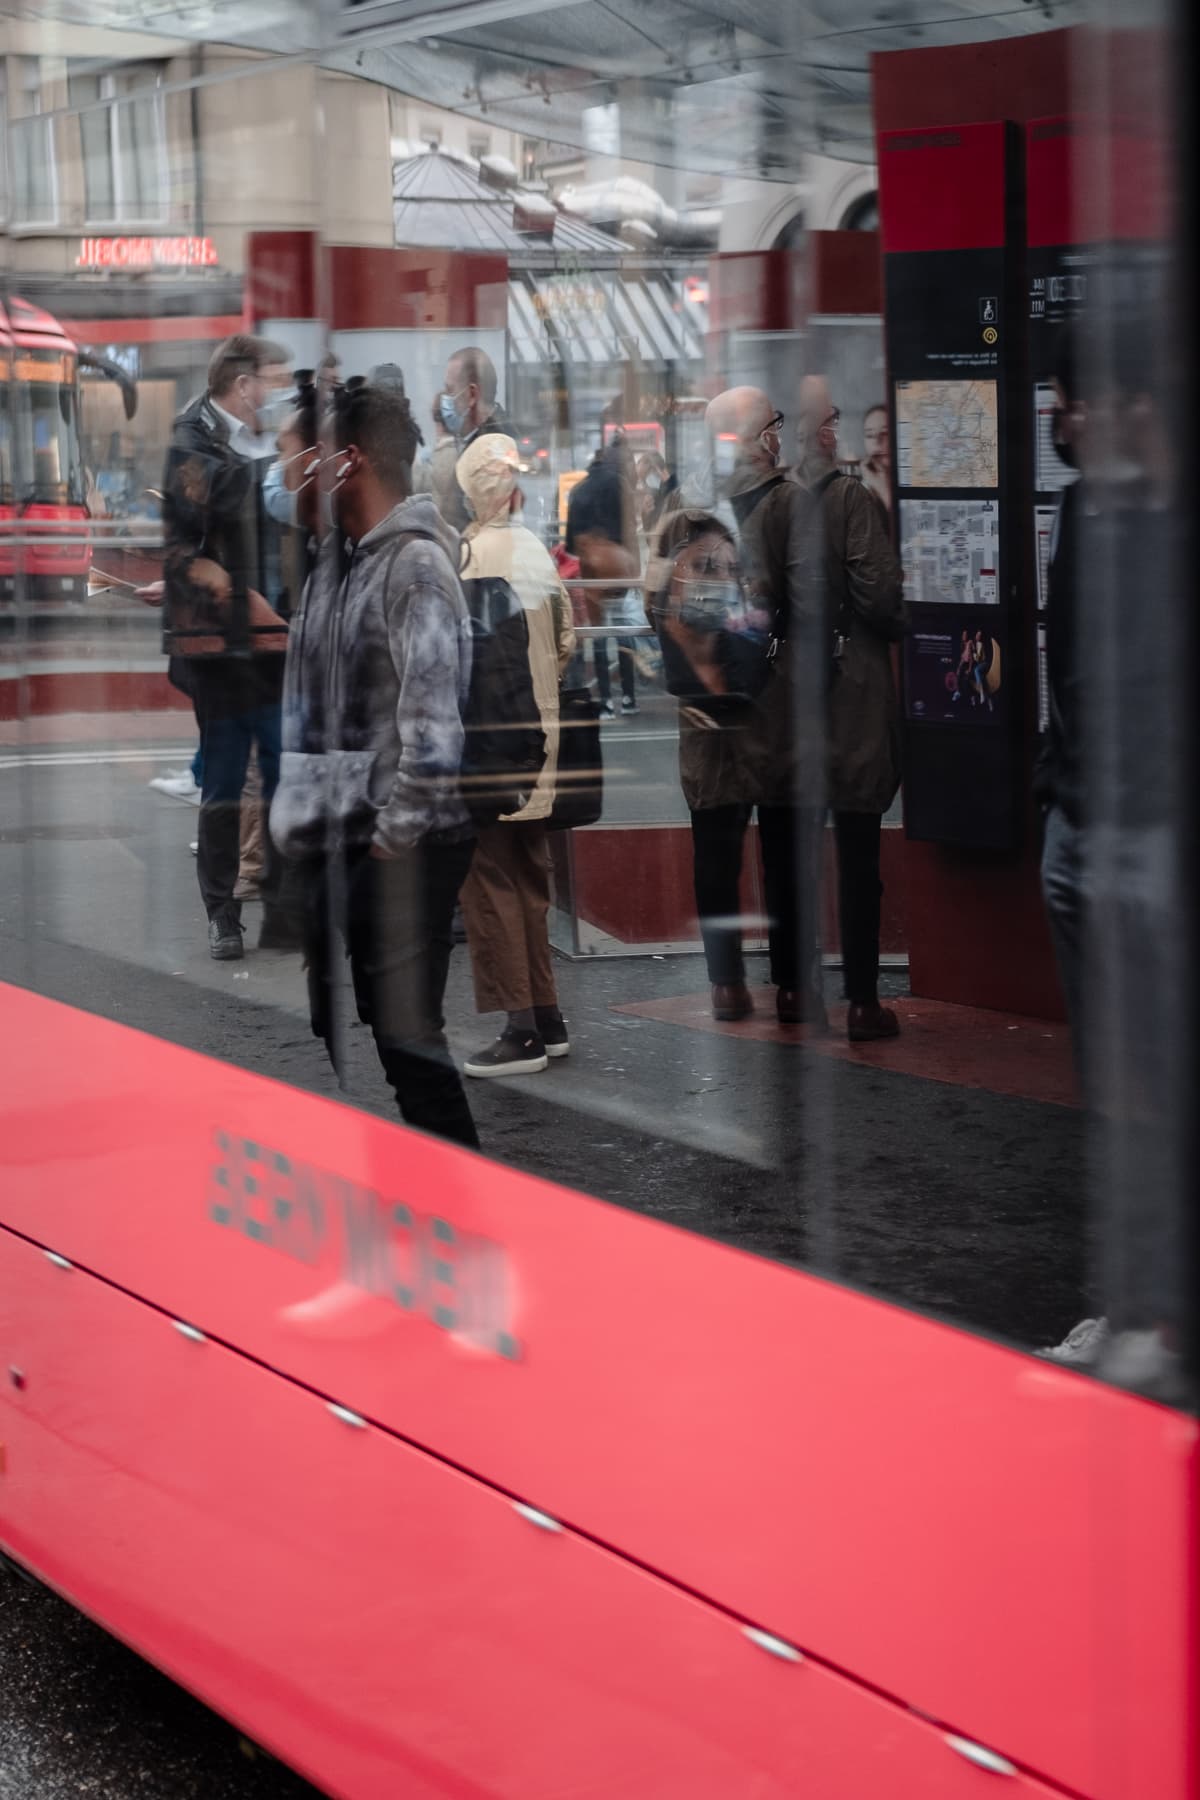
950,550
946,434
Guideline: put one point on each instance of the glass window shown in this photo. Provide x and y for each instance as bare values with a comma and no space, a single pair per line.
34,171
124,145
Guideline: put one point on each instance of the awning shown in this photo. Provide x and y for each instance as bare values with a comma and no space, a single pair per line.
599,320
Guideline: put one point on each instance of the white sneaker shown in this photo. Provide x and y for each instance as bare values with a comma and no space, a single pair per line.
1082,1345
180,784
194,847
606,712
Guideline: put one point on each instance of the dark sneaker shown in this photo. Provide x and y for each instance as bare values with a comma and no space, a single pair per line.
606,712
628,706
513,1053
552,1029
279,931
225,935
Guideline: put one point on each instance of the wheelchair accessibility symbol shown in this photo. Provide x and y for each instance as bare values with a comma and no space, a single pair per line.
990,335
989,310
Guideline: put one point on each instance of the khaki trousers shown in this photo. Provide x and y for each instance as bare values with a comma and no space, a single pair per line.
505,902
252,858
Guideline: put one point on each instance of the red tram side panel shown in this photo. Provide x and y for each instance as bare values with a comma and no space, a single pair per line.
928,1518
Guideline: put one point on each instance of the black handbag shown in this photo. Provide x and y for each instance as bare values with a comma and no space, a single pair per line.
579,778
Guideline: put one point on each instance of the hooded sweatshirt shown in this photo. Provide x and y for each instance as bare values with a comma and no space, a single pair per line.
378,670
498,549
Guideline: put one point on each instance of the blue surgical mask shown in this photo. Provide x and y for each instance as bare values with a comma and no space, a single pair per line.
452,419
281,501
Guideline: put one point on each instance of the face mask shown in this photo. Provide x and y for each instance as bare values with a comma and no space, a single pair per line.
725,458
275,409
709,601
653,483
454,421
281,502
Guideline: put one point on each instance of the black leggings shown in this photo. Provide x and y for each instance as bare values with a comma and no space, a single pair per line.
790,839
860,890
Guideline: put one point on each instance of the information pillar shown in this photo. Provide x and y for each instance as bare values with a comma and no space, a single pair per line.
952,232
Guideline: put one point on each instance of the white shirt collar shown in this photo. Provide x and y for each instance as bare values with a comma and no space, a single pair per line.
243,441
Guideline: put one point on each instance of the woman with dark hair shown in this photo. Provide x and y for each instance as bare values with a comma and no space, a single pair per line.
708,630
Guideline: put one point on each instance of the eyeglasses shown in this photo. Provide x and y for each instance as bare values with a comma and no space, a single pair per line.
775,424
835,418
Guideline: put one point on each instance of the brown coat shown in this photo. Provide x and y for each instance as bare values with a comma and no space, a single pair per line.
864,595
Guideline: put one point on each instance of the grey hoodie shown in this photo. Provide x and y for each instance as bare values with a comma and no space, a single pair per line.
378,668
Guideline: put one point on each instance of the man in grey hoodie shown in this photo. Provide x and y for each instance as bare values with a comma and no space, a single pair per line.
378,671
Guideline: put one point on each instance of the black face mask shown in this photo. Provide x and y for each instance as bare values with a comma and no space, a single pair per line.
1065,450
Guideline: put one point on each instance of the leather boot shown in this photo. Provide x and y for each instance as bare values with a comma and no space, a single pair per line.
731,1000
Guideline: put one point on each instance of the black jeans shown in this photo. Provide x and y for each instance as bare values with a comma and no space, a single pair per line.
860,890
397,929
790,839
626,658
226,739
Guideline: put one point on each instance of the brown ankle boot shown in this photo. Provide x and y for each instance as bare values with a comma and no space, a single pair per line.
731,1000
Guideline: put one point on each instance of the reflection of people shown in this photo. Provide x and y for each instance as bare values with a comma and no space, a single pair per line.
658,491
966,664
220,539
468,408
779,551
369,800
506,896
1107,779
864,602
602,533
877,461
726,771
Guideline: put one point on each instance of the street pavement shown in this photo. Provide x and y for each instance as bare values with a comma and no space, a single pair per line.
940,1194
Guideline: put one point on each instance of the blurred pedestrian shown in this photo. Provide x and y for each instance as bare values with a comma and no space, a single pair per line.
877,461
1110,779
223,575
506,896
780,560
602,533
369,805
658,492
468,407
865,611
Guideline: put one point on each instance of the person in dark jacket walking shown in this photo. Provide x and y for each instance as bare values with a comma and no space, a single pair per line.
1111,778
602,533
369,803
225,611
866,614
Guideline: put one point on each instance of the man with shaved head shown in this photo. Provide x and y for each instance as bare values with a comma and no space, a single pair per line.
773,756
865,614
468,408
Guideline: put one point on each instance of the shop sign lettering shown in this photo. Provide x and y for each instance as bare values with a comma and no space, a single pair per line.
146,253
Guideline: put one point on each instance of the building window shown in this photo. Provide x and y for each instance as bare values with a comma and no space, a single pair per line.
479,145
862,215
4,195
34,175
123,135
